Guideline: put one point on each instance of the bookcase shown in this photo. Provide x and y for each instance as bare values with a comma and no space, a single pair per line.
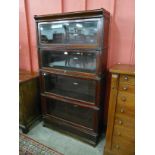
72,53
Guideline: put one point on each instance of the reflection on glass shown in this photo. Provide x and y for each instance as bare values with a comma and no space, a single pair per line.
71,87
78,61
69,32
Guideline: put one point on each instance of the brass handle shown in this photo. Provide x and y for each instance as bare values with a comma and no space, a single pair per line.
75,83
126,78
125,88
119,133
124,98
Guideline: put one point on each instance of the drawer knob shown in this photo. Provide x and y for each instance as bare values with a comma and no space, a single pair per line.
44,74
122,110
120,122
119,133
124,98
65,71
126,78
125,88
117,146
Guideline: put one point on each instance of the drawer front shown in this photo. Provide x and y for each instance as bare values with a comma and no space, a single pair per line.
123,87
126,99
125,133
126,110
127,79
121,146
124,121
79,89
71,113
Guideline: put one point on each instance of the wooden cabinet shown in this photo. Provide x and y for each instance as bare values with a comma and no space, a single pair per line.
120,135
72,52
29,99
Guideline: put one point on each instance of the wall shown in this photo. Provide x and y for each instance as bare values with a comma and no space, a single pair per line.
121,37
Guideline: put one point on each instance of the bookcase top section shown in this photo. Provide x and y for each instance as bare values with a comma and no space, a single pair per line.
81,14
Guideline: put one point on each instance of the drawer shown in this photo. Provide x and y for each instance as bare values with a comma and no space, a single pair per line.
126,99
127,79
124,87
121,146
125,133
124,109
75,88
124,121
72,113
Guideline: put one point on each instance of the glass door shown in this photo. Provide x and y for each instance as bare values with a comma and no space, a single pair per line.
72,61
70,112
84,31
80,89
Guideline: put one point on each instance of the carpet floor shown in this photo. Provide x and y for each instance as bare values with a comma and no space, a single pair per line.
29,146
63,143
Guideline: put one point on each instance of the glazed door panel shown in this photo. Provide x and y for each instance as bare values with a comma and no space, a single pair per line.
80,89
69,32
80,61
70,112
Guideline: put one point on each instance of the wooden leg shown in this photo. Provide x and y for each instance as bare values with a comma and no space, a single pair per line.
25,130
44,124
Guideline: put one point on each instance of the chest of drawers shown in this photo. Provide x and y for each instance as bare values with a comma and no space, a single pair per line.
120,135
29,99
